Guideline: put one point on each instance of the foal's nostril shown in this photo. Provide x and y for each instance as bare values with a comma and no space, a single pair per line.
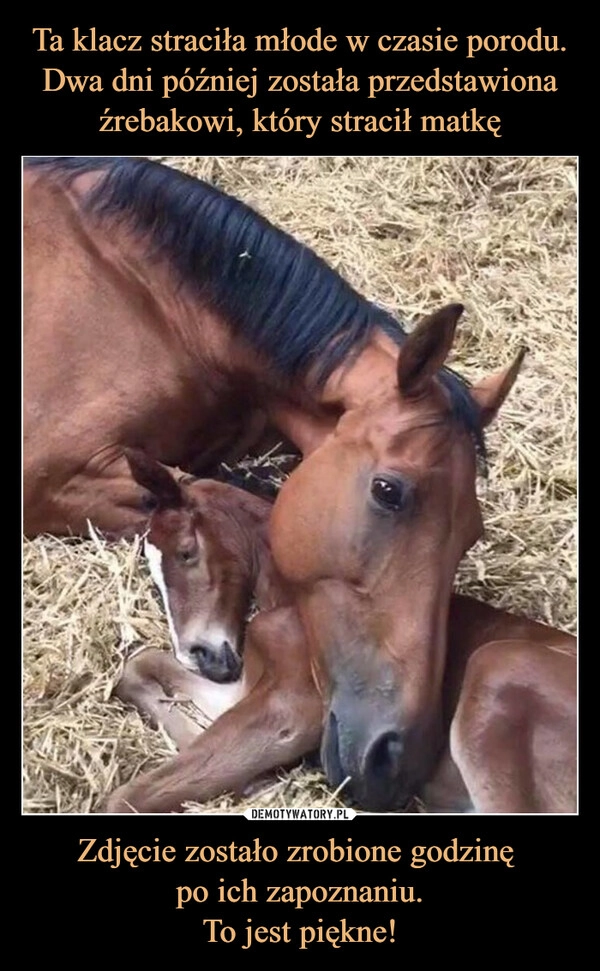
220,664
383,759
201,653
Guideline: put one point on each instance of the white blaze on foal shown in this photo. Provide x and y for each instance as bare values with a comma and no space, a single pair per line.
154,558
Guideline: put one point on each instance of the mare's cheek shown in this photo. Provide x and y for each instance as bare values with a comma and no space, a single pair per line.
317,518
298,536
296,550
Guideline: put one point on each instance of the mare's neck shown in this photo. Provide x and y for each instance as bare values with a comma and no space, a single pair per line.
371,374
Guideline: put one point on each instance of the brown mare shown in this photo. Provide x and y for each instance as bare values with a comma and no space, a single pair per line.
163,315
509,690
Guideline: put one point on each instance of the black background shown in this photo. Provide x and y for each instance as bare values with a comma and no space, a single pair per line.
120,913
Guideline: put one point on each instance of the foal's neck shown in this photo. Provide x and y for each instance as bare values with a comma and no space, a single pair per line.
252,516
270,589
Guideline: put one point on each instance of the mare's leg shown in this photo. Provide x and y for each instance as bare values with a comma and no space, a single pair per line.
513,736
175,699
278,722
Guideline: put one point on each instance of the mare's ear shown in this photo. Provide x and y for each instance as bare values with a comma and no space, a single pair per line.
154,477
425,350
491,391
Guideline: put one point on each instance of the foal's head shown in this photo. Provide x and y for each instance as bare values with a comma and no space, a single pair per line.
368,531
201,547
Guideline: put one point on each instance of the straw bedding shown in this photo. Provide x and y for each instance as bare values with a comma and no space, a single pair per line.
497,234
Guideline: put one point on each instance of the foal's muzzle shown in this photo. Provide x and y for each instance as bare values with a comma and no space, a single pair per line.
221,664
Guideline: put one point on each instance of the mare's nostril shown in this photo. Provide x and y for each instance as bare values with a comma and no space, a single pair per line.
384,757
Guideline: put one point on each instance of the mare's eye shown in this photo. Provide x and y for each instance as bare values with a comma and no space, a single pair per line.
188,555
388,493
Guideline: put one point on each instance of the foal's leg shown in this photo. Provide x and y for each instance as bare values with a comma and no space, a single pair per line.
278,722
513,736
475,684
175,699
446,792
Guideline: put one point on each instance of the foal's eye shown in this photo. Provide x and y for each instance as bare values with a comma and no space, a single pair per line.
187,556
388,493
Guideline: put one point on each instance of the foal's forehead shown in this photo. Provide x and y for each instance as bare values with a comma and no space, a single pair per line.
202,493
168,524
216,505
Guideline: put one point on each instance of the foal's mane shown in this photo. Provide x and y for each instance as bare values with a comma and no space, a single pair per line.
286,301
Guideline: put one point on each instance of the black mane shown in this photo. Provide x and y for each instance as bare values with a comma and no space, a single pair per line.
284,299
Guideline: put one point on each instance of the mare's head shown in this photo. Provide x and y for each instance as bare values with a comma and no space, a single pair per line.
201,551
369,531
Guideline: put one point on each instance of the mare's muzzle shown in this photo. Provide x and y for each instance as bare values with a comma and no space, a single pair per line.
384,762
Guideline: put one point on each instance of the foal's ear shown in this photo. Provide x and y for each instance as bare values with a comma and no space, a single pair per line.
425,350
491,392
154,477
